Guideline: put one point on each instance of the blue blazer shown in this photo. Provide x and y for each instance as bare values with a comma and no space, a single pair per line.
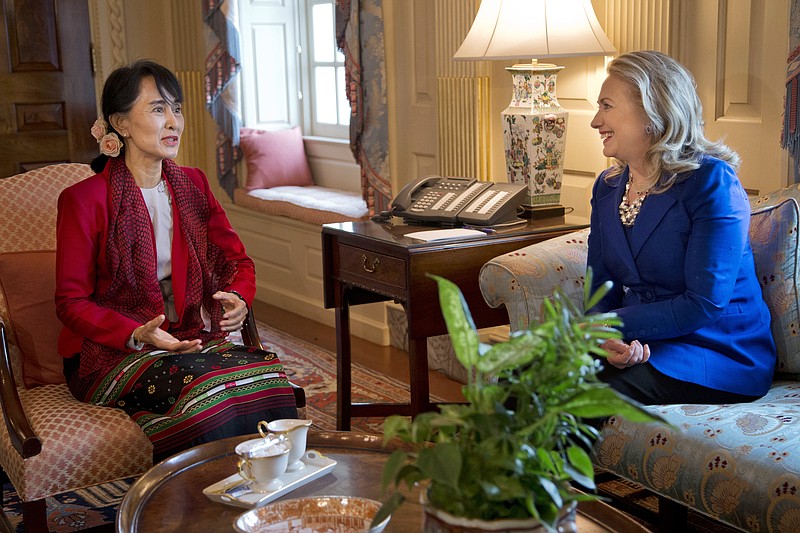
684,279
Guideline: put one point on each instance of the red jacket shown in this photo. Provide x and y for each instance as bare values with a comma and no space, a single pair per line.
82,269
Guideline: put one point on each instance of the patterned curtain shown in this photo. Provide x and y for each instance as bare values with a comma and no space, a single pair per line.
222,87
790,138
359,35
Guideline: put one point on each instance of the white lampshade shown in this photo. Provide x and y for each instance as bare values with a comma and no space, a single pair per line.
534,124
541,29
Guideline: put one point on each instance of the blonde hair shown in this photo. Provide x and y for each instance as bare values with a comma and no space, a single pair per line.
666,92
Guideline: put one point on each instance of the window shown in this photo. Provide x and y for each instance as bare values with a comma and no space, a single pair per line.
292,71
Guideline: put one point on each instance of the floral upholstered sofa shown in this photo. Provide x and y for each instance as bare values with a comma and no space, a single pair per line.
738,463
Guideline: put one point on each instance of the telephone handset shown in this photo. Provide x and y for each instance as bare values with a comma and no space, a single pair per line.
456,201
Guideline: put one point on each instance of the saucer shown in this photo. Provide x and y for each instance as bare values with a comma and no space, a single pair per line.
235,490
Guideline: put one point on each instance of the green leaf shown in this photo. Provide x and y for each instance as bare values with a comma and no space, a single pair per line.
603,401
578,477
396,461
579,459
590,300
410,474
552,490
388,507
516,352
396,426
546,459
442,463
579,467
460,325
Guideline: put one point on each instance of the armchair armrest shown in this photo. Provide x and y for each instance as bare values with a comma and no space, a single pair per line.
523,279
19,427
251,338
250,331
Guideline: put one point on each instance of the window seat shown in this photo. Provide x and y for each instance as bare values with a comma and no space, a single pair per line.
281,230
313,204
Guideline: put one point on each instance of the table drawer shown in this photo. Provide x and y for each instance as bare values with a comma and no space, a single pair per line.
359,265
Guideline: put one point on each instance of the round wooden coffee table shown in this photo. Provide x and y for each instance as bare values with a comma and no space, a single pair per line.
169,497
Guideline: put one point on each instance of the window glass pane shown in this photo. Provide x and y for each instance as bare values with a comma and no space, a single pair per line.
271,75
322,25
344,103
325,94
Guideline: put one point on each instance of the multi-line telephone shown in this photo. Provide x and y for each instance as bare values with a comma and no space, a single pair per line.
457,201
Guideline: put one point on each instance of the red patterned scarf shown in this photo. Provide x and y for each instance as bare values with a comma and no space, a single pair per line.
134,290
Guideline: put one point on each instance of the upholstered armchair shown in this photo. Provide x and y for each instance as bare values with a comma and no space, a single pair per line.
737,463
50,442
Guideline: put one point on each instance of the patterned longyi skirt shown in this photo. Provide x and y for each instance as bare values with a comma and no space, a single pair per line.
182,400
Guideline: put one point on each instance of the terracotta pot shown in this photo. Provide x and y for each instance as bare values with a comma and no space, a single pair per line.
437,521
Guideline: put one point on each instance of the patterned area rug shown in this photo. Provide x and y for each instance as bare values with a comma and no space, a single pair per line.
309,366
314,369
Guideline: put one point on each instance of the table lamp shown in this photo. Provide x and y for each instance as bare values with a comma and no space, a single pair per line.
534,124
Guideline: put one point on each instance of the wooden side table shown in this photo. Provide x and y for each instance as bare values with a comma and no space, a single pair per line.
366,262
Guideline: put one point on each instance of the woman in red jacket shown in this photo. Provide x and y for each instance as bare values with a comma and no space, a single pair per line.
151,278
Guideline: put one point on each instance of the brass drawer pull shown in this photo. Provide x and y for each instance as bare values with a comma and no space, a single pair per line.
371,266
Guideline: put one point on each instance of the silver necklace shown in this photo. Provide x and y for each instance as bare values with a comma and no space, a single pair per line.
629,212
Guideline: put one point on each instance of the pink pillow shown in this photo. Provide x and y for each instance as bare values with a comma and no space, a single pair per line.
275,158
29,283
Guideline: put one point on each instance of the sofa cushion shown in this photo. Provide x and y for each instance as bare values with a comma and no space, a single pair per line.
275,158
27,280
737,463
774,239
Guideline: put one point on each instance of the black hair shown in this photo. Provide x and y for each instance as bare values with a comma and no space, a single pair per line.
122,88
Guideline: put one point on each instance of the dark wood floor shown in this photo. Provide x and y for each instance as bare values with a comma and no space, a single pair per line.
384,359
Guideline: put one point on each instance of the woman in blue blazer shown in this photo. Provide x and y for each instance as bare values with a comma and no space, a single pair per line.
669,228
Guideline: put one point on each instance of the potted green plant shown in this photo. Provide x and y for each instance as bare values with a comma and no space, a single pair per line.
512,451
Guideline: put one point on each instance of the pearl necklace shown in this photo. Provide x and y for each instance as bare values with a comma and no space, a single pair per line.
629,212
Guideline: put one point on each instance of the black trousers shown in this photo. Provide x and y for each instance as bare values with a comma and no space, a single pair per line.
648,386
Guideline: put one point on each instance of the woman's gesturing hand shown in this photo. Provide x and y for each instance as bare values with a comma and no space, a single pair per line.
235,310
150,333
621,355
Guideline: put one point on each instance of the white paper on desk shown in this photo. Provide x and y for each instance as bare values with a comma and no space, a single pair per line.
441,234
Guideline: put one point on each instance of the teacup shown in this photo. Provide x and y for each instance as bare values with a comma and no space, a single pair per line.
263,461
296,430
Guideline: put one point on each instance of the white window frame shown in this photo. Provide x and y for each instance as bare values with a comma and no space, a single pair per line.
285,26
311,124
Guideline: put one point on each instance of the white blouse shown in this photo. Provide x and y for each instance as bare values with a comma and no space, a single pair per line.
159,207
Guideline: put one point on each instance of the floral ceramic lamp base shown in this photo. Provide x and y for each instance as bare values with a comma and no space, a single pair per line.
535,133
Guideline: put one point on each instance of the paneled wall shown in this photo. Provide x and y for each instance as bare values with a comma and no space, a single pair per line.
46,100
737,51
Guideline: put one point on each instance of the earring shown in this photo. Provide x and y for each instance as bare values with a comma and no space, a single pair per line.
648,129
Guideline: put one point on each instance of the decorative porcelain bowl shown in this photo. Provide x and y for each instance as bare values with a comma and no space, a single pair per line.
342,514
